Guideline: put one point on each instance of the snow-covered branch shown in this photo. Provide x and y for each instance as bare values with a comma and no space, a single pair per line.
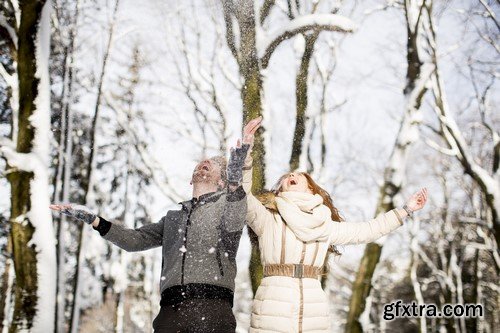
9,79
313,22
228,8
198,79
490,12
221,61
265,10
455,139
11,32
420,86
442,150
150,162
452,134
26,162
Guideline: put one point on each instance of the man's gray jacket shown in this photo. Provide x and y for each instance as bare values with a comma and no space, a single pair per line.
199,243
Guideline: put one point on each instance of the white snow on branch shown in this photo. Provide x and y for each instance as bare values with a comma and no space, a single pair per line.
9,28
453,136
446,151
329,22
421,84
9,79
17,11
13,84
408,132
27,162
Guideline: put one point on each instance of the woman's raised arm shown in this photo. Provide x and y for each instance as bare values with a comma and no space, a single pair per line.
344,233
256,212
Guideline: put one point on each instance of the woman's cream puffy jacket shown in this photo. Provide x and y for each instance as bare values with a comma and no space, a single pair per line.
287,304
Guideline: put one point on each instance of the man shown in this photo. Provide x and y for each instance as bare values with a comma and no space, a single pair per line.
199,244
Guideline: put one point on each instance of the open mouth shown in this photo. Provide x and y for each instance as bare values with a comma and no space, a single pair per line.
293,182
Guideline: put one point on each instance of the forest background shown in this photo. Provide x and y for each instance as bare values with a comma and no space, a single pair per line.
111,104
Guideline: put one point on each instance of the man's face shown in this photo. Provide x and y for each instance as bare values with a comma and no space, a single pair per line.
208,171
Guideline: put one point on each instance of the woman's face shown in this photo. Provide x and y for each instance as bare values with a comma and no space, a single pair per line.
295,182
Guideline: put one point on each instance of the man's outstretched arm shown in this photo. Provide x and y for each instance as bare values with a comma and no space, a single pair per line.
143,238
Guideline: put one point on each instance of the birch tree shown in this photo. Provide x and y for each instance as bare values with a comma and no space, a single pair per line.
417,79
9,97
443,270
200,63
128,180
27,155
66,14
87,176
252,46
450,265
487,177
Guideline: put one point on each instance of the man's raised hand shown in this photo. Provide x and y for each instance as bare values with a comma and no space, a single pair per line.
236,162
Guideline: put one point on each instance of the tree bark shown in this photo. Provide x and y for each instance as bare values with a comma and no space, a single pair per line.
451,133
301,100
6,291
393,174
63,176
86,181
250,65
33,46
246,56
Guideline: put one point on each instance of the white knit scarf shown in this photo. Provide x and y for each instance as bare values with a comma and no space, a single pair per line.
305,214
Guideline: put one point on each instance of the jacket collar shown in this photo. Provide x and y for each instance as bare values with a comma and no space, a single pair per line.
202,199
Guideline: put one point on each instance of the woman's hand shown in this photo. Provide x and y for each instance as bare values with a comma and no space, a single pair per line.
79,212
417,200
249,130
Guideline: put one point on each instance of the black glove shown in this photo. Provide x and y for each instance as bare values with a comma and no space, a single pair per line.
235,165
79,212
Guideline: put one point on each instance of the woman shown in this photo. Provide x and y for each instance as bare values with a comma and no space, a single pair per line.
296,225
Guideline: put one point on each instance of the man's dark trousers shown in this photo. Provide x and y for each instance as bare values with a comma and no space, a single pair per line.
196,316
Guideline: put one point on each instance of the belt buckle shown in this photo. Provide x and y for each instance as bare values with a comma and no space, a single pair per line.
298,271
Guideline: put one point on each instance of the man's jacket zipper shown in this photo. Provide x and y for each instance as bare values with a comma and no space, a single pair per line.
188,222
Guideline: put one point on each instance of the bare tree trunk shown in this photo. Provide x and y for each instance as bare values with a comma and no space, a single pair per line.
488,181
86,181
63,176
393,174
248,61
120,297
251,61
413,274
301,100
6,291
32,256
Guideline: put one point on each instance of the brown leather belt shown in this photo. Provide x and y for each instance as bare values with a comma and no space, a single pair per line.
292,270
